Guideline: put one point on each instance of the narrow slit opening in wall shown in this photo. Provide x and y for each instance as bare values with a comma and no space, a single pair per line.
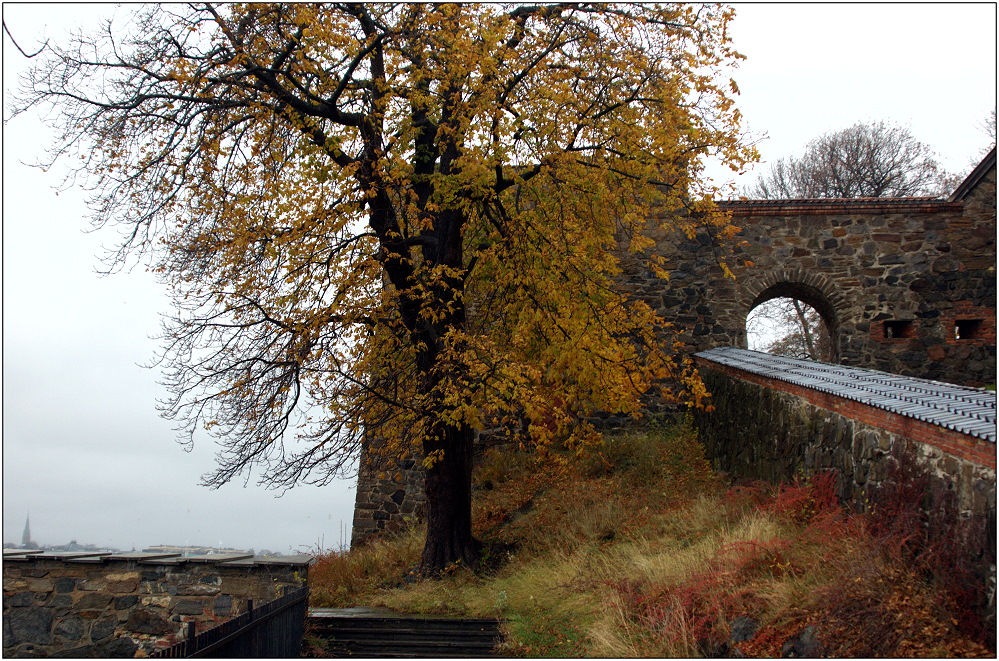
967,329
899,329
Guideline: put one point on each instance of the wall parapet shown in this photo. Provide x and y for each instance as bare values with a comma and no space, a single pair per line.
810,416
824,206
129,604
971,411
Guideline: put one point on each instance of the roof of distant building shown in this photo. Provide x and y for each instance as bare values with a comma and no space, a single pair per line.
972,179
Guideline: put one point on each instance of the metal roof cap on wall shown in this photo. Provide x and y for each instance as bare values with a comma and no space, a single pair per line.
971,411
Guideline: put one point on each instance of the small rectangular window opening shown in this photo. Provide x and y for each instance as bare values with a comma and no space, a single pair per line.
967,329
899,329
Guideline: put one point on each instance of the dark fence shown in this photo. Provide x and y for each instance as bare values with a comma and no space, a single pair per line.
274,629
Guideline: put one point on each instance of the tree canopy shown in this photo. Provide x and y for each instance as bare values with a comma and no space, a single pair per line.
398,219
879,159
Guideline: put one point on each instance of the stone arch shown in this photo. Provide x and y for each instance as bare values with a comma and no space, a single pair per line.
808,287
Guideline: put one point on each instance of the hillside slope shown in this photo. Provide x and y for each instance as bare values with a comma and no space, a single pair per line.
641,550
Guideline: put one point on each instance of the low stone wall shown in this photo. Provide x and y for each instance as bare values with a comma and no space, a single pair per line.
776,431
129,604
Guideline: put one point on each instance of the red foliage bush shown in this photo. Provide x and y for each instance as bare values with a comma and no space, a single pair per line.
752,494
915,519
805,499
905,573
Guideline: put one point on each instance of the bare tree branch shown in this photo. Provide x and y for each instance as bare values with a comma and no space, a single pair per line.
865,160
16,45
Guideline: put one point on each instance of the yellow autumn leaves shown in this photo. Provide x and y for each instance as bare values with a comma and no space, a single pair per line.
408,217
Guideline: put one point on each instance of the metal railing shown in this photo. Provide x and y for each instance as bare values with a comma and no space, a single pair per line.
273,630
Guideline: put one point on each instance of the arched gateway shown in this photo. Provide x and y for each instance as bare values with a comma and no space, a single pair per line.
904,285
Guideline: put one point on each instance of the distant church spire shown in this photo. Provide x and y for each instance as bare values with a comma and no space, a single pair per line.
26,537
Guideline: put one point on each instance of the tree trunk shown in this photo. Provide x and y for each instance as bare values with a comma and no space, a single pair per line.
805,330
448,487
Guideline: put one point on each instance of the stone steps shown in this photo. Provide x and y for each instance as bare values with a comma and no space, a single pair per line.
376,633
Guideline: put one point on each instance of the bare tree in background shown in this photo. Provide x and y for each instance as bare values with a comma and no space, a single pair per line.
799,330
988,127
865,160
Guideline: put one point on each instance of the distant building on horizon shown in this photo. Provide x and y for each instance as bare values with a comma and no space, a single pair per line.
76,546
26,542
191,550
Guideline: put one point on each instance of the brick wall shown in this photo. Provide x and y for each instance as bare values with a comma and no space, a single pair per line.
130,604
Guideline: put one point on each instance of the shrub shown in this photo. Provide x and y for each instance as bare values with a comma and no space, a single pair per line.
338,577
667,455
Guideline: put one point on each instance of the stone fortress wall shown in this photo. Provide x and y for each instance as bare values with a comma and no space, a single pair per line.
124,605
389,495
905,285
774,429
790,430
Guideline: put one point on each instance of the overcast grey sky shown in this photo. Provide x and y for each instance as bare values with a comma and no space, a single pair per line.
83,447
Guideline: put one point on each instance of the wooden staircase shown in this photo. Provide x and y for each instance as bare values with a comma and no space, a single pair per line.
375,633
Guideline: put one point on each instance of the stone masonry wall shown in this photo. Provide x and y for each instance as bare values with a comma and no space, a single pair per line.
894,279
129,605
771,430
390,492
389,495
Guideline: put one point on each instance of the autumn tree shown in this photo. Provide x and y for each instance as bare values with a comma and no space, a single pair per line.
397,219
865,160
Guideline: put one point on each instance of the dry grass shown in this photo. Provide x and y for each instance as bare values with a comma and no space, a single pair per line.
642,552
337,579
